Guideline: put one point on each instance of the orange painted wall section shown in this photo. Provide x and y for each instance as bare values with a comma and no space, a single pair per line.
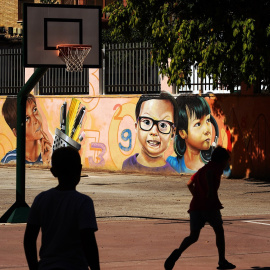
248,119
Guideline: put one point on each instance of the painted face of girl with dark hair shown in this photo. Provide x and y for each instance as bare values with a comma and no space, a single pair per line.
199,133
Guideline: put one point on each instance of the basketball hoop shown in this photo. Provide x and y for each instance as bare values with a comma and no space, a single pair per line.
73,55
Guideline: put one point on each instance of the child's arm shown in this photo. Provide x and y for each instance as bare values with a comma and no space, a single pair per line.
30,245
191,186
90,248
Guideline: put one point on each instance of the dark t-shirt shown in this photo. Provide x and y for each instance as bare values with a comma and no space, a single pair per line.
61,215
200,200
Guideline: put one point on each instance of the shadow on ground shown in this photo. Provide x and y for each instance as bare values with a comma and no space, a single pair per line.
259,268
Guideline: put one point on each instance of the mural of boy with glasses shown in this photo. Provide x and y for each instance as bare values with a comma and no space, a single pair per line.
157,117
38,148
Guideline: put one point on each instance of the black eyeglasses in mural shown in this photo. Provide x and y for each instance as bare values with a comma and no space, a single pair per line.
147,123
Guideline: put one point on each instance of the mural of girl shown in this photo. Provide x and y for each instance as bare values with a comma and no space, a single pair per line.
38,148
192,144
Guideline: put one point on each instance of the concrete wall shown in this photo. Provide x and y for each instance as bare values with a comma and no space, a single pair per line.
247,118
110,135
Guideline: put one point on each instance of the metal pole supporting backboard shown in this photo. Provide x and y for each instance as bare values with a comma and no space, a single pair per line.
18,212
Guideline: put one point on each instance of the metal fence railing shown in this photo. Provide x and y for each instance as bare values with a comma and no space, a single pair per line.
57,81
198,85
127,69
12,72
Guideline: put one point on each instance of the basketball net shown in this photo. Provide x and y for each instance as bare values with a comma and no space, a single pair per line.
73,55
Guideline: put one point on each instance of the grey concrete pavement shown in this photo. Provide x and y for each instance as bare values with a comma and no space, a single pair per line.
143,218
119,195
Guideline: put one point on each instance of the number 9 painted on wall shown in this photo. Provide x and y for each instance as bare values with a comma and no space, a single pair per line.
118,148
128,138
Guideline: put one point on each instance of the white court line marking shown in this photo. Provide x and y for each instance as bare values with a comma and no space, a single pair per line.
258,222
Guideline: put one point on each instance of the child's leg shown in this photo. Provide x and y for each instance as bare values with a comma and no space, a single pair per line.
215,220
188,241
175,255
220,242
196,224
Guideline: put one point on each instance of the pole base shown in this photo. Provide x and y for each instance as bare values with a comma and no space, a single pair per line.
17,213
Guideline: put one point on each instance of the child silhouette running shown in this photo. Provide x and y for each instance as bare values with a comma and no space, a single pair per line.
205,207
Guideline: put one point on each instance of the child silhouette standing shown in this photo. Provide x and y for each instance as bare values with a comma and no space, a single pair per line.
66,219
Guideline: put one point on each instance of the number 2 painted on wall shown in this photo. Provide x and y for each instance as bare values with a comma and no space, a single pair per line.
117,117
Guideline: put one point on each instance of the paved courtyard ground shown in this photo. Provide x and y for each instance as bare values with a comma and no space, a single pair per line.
142,218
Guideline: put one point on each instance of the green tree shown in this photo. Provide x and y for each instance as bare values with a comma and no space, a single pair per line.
228,40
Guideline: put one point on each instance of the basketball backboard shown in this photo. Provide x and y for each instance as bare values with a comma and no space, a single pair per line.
46,26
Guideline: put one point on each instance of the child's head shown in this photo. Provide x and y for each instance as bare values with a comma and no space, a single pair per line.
194,126
66,166
33,118
156,119
221,156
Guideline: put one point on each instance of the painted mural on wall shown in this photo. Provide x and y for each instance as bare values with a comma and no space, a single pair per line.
70,131
193,143
156,122
197,135
158,133
38,148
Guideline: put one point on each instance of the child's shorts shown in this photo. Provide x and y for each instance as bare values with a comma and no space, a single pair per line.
199,218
